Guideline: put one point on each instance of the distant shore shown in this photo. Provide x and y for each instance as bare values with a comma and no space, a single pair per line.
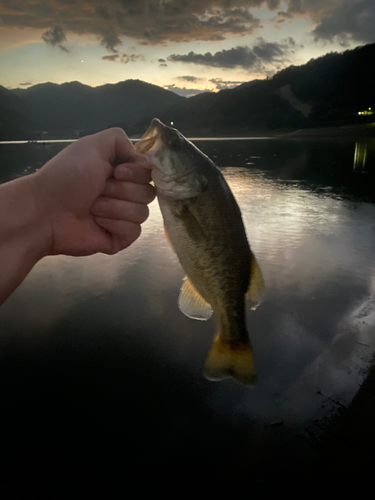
353,131
363,130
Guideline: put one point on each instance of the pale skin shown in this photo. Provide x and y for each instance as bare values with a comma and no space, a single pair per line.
92,197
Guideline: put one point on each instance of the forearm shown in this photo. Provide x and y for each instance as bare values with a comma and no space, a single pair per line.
23,233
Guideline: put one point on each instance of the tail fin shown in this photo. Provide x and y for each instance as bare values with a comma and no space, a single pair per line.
225,360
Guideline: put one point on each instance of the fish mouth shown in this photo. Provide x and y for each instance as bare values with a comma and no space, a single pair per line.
152,138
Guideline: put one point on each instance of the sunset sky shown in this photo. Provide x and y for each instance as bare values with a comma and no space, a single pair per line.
186,46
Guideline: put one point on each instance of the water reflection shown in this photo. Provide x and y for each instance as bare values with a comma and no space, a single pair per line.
360,156
316,253
118,317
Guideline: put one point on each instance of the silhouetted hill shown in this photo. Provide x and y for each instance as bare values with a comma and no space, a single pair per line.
327,91
14,122
253,109
73,108
336,86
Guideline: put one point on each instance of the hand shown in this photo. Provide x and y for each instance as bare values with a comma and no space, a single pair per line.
93,195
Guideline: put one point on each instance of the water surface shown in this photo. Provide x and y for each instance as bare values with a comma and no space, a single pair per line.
96,358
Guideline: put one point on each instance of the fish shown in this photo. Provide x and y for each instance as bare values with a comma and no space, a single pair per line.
203,224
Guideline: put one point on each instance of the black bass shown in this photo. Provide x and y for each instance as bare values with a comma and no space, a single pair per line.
204,225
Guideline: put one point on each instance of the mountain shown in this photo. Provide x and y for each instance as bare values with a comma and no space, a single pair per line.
252,109
336,86
14,121
74,108
328,91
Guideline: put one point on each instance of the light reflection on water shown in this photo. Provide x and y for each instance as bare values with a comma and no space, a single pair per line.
316,255
313,336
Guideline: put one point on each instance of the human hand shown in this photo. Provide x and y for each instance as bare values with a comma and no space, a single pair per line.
93,195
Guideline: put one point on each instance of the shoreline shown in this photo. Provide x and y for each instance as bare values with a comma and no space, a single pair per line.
352,131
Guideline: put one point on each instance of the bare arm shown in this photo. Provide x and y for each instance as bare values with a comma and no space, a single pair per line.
92,197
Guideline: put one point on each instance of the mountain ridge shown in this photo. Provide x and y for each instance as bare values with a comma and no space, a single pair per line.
326,91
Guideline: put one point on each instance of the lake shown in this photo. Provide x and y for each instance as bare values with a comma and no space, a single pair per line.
98,365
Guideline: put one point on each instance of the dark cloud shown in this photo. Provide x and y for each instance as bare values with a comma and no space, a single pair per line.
238,56
221,84
55,36
158,22
313,8
161,60
110,41
25,84
193,79
103,12
126,58
273,4
123,58
111,58
287,15
148,21
241,57
354,19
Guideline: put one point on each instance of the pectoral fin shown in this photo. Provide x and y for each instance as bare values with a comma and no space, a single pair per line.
255,291
191,302
193,228
182,210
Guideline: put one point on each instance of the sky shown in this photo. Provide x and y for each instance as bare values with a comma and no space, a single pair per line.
188,46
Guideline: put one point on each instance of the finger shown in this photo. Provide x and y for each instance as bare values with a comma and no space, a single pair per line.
132,172
142,160
111,208
128,191
125,231
112,144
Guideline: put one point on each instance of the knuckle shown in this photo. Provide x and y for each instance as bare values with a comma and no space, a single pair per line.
117,131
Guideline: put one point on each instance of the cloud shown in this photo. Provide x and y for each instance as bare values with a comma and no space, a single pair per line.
122,58
111,57
221,84
25,84
126,58
147,21
241,57
287,15
352,18
152,22
55,36
193,79
183,91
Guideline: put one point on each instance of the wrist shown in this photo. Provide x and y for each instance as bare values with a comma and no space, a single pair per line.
24,221
24,233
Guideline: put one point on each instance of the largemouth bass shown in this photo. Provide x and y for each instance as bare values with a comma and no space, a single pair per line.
204,226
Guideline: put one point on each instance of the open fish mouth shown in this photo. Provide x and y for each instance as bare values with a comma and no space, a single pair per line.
152,138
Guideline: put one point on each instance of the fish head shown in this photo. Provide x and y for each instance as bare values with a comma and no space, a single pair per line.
177,163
